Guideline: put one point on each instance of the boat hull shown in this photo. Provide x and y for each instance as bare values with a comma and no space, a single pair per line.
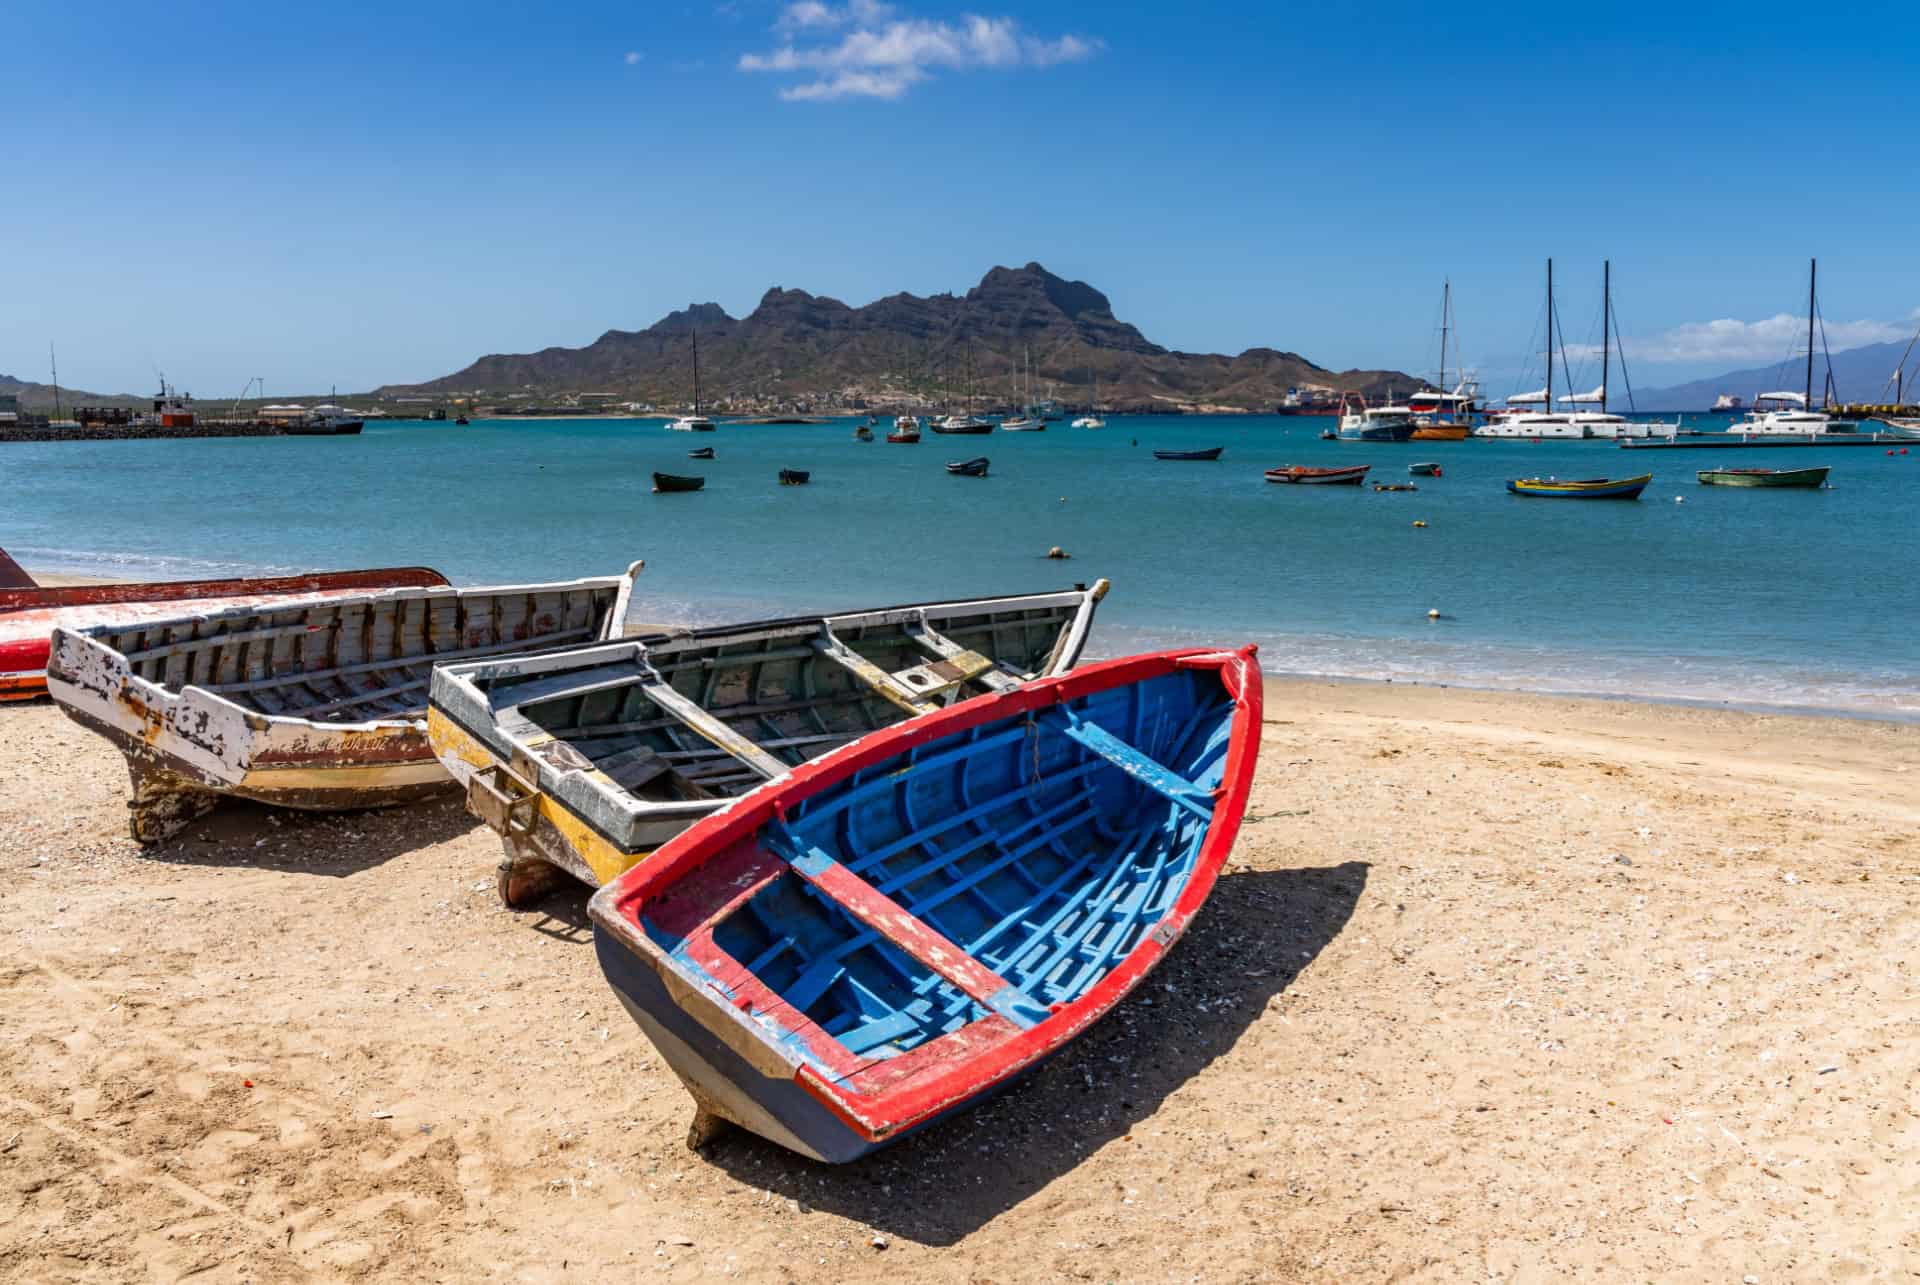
254,703
729,706
1378,433
1440,433
1800,478
671,483
1598,489
1298,476
28,616
1211,453
750,1046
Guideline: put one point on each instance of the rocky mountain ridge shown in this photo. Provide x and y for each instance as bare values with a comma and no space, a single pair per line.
906,349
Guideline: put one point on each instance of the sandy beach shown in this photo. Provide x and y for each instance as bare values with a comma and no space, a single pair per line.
1496,987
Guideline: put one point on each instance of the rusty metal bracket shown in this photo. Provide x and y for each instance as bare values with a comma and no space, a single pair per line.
506,797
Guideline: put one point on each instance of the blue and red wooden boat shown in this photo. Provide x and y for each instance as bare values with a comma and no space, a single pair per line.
892,932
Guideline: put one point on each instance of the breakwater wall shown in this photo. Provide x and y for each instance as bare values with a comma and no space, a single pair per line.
139,432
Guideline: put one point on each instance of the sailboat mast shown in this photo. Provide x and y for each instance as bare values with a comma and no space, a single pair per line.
54,366
1606,326
1549,336
696,371
1813,272
1446,302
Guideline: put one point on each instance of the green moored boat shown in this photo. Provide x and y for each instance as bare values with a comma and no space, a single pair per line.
1804,478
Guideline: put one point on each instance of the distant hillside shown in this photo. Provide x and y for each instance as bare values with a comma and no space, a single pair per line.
1858,376
39,397
904,349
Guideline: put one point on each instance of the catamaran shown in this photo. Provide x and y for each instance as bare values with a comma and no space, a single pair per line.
1577,424
1092,418
1791,414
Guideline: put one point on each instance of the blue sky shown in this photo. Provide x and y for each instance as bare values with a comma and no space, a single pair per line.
354,194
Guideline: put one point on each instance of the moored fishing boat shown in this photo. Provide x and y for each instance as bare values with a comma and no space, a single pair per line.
794,477
964,425
976,467
316,705
670,482
1210,453
864,433
1439,415
700,453
1598,488
1022,424
892,933
1360,422
1424,470
906,430
1301,475
588,760
1804,478
29,615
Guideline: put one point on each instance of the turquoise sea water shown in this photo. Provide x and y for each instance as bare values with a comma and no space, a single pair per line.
1759,598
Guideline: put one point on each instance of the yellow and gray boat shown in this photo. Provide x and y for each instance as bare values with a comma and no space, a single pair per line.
586,760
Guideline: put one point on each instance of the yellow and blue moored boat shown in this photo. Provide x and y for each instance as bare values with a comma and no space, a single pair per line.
1598,488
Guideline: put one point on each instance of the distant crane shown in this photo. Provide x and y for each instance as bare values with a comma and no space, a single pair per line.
234,412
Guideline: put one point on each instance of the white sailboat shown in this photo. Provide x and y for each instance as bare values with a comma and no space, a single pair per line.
696,422
1575,424
1030,420
1092,418
1787,414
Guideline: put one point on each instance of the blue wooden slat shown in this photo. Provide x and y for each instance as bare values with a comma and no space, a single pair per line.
1154,776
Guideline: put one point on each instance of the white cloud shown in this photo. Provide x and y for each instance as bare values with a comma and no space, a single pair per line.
859,50
1766,340
634,56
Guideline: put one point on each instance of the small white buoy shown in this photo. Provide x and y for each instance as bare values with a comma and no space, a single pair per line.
1056,552
1433,613
1063,499
1679,499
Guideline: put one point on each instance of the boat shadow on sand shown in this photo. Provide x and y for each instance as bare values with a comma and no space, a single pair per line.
1258,930
238,833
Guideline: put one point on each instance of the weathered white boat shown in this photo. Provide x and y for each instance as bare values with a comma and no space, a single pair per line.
587,760
317,705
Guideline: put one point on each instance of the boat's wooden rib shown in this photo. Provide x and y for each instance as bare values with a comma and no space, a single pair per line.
898,929
316,705
547,746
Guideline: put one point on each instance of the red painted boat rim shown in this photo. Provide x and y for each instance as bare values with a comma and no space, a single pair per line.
617,906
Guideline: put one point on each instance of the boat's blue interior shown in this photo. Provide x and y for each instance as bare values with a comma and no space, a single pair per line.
1044,846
